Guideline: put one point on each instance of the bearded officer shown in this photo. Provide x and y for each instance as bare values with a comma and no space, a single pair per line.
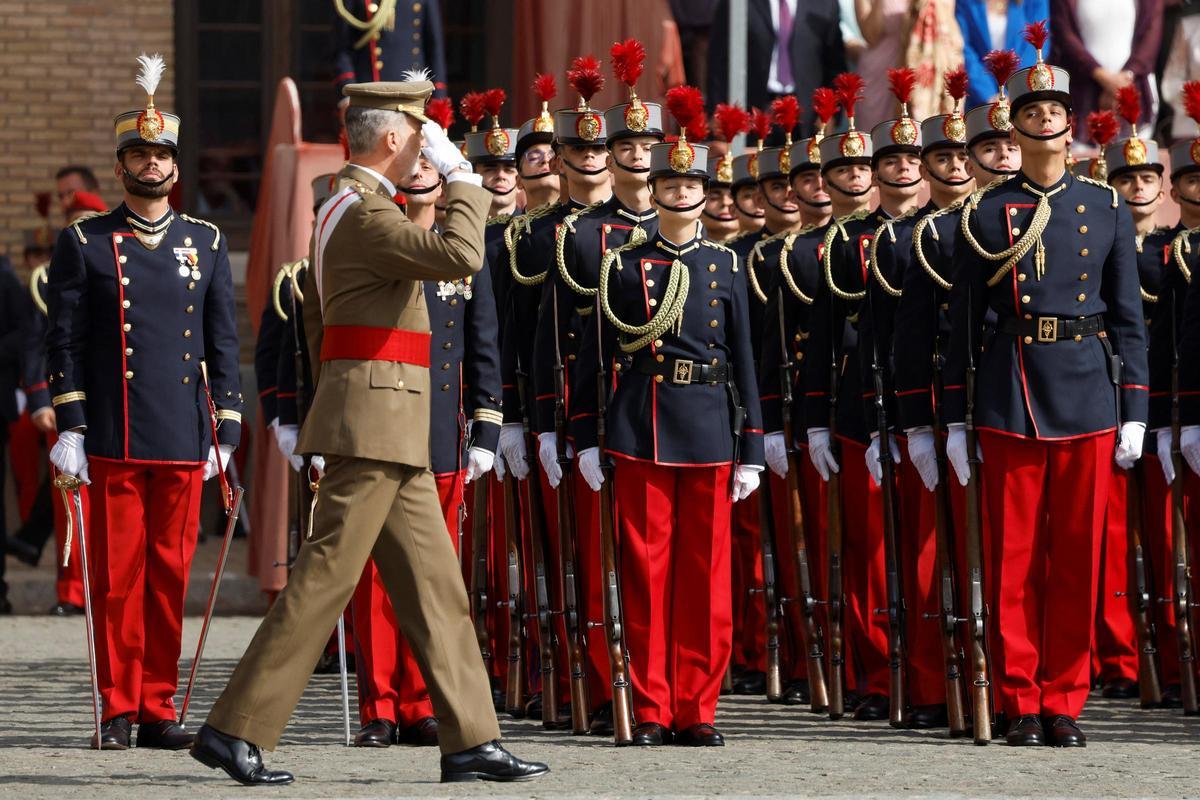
378,497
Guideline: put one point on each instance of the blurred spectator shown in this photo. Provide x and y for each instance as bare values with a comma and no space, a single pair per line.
1182,64
995,25
1106,44
71,179
694,20
934,47
811,55
379,40
851,35
885,25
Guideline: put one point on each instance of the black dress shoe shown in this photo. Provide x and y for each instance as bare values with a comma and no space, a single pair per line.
850,701
65,610
1063,732
423,733
114,734
650,734
926,717
166,734
533,707
1172,696
702,735
1026,731
750,682
489,762
602,721
795,693
1120,689
872,708
240,759
376,733
23,551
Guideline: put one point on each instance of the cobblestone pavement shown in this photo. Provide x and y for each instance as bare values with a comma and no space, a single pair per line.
770,750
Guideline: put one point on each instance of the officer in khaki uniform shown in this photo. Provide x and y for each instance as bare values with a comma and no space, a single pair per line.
370,421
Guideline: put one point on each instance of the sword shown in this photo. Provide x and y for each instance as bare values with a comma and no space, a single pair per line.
69,485
314,483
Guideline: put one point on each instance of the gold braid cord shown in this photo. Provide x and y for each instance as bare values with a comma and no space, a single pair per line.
383,18
785,261
873,260
84,218
302,264
919,247
520,226
499,219
560,246
836,227
216,239
1031,237
1179,246
1140,240
1108,189
670,312
38,277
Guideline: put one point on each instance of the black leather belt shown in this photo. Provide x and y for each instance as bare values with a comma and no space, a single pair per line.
681,371
1052,329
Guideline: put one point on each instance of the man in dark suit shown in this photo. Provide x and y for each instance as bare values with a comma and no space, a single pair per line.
813,55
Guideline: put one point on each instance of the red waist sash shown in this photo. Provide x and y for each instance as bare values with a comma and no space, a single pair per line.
361,343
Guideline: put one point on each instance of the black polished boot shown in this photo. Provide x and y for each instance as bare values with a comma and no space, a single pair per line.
489,762
166,734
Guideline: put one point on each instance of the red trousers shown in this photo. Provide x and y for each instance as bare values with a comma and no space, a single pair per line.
749,612
1115,651
142,534
68,581
675,584
864,578
390,685
25,454
1045,504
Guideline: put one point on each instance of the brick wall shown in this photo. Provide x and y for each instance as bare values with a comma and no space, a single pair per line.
66,68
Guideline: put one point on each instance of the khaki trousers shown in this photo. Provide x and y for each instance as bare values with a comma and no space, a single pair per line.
389,512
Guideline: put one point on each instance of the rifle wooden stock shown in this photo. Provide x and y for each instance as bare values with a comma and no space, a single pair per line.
479,571
770,592
1141,600
541,589
981,693
514,696
1181,556
837,660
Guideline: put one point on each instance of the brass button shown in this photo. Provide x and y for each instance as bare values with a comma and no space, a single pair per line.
1012,212
417,22
125,304
124,281
712,285
372,7
1028,340
191,285
187,241
1078,338
416,7
1021,276
660,358
187,334
1081,297
187,356
712,267
127,327
712,345
658,342
1083,277
122,259
378,65
190,309
128,351
649,282
1029,316
446,366
715,361
454,301
608,228
652,302
416,51
447,345
799,356
450,324
658,378
118,239
128,374
378,51
445,387
713,302
1083,252
186,379
1083,228
570,334
1079,209
399,384
416,37
570,357
648,267
1016,231
712,323
1024,298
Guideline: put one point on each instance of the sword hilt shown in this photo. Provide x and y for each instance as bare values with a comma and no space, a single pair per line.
67,483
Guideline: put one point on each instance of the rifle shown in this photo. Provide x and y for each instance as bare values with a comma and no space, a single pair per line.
771,597
805,605
837,663
981,696
1180,546
1141,605
514,696
541,581
567,536
611,587
897,713
479,572
944,541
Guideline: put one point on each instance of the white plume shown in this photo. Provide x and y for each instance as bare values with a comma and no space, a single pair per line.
151,72
416,75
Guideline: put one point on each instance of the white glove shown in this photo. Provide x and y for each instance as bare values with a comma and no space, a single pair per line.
22,402
440,151
873,465
1162,438
210,468
498,466
512,447
589,467
820,454
1129,444
745,480
68,455
956,451
548,455
285,441
317,465
479,463
1189,443
923,455
776,449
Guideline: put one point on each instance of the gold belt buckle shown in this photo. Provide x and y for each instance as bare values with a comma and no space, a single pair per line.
683,371
1047,329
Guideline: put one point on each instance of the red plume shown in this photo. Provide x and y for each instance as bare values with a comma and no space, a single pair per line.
785,112
902,81
956,84
493,100
1191,99
698,131
1129,105
585,77
545,86
1102,127
471,107
731,120
848,86
1002,64
824,103
760,123
686,105
441,111
41,201
627,58
1036,33
344,141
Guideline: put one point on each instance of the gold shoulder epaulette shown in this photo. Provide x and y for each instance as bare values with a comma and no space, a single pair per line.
499,219
39,276
873,260
1100,185
837,227
854,216
926,223
718,246
216,239
84,218
737,237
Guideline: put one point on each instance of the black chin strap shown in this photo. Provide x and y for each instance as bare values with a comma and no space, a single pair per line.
147,184
1189,200
539,176
715,218
1042,137
499,193
678,209
424,189
811,204
848,193
750,214
897,185
634,170
1140,203
585,171
947,182
780,209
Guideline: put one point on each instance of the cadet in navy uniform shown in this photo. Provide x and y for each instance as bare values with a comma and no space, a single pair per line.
675,322
381,40
1061,382
567,304
139,298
